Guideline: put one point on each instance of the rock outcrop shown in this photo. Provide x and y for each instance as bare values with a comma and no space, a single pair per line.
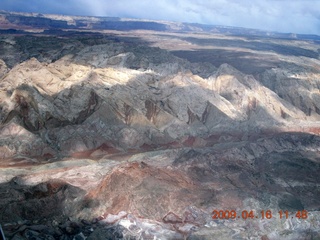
73,108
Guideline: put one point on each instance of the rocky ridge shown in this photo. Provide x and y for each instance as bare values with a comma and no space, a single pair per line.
151,100
102,130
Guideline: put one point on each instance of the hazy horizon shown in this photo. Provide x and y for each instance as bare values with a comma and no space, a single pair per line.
274,15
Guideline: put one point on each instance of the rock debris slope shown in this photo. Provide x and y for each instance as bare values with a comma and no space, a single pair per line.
143,144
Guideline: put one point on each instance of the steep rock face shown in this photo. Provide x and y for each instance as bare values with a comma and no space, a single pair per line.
298,86
3,68
17,142
89,99
37,112
255,102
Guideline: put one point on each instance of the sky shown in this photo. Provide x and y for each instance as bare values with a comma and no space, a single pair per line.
289,16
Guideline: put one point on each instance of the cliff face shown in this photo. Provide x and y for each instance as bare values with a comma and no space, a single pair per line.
97,125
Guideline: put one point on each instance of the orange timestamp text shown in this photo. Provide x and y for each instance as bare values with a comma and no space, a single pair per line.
263,214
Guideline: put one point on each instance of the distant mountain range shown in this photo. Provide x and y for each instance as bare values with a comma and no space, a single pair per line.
22,22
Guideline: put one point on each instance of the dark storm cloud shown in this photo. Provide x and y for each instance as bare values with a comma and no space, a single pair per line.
69,7
300,16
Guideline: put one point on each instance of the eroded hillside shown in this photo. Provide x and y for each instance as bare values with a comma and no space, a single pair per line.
122,128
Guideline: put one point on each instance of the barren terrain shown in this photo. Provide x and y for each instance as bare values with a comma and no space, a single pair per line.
133,129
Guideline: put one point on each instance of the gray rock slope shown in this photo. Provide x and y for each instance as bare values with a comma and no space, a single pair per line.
99,96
